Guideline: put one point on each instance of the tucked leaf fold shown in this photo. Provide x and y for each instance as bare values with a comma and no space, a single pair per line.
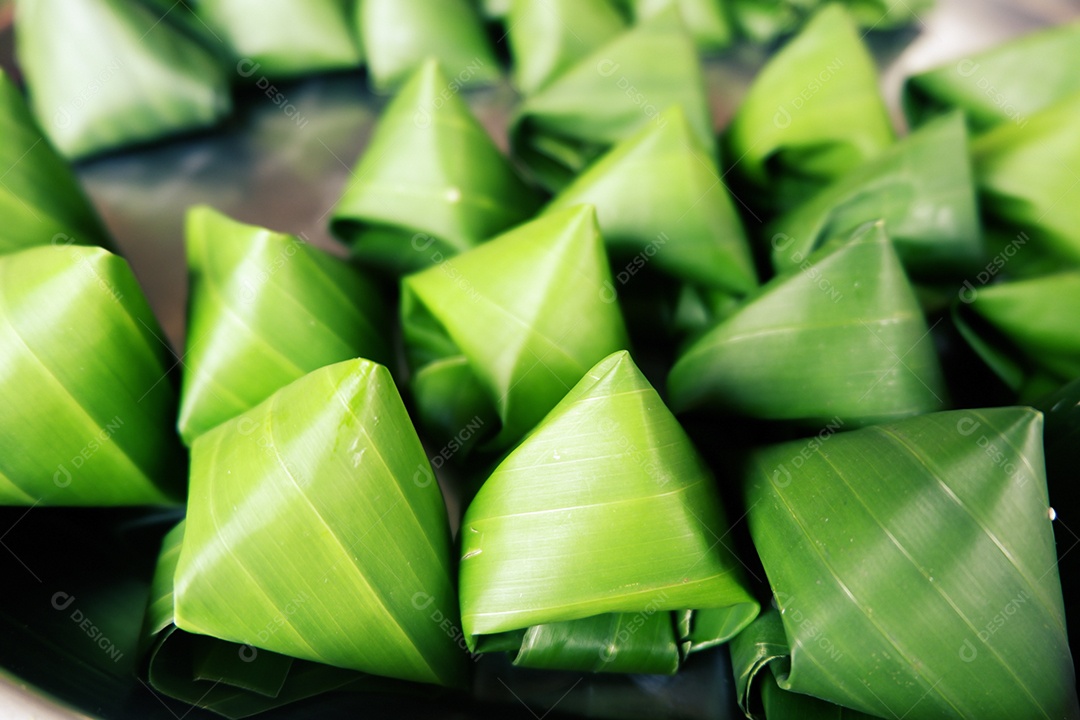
266,309
812,114
430,184
841,340
323,492
547,37
495,320
590,532
1026,331
659,197
231,679
914,571
922,187
610,94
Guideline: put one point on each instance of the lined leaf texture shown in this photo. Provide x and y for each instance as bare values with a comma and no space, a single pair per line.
922,187
1027,176
706,19
313,494
40,197
88,407
598,525
1005,84
399,35
430,184
1026,331
493,321
913,568
812,114
841,340
609,95
265,309
103,74
282,38
230,679
766,20
660,199
547,37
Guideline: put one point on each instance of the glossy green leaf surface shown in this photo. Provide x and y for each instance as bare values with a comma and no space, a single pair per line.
313,531
1026,331
1005,84
660,200
547,37
707,20
766,20
431,182
914,570
399,35
504,305
231,679
103,74
609,95
923,189
812,114
264,310
283,38
1027,178
842,340
599,521
88,404
40,198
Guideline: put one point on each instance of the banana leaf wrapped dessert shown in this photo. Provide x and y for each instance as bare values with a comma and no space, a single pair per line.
89,406
154,80
266,309
598,543
430,184
913,571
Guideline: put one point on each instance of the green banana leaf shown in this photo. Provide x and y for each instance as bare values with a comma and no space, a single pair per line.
765,20
496,9
843,340
914,571
492,323
660,186
266,309
1026,331
88,404
609,95
284,38
307,534
1062,445
1027,178
103,74
40,197
548,37
231,679
1005,84
707,20
584,548
430,184
813,113
399,35
922,187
